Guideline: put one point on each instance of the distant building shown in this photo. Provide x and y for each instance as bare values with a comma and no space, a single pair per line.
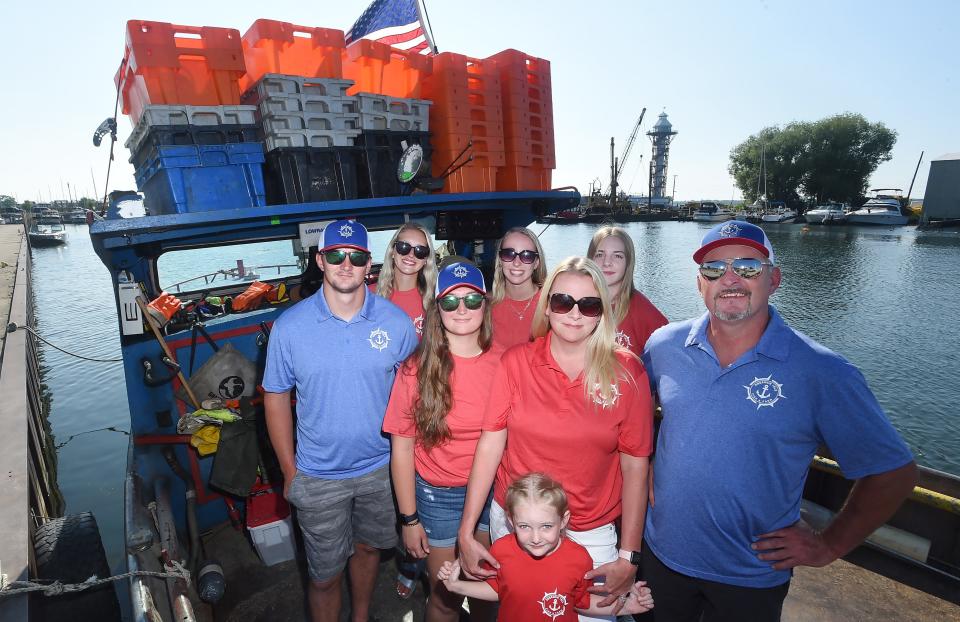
942,198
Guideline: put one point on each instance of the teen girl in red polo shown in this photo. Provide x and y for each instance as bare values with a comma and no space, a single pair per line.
434,419
573,405
517,278
409,272
636,318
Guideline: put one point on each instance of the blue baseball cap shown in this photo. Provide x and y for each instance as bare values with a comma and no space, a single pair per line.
344,233
735,232
460,274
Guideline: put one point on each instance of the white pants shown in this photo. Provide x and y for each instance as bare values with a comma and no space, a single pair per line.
600,542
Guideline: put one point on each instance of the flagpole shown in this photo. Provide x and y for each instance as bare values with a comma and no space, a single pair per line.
425,22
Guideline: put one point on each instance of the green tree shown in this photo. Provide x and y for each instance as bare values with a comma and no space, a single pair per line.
832,158
7,201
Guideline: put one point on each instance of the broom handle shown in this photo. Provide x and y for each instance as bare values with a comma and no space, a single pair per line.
166,350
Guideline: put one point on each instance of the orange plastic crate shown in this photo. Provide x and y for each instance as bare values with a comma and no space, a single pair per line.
173,64
515,178
281,47
364,62
515,65
479,175
458,142
404,75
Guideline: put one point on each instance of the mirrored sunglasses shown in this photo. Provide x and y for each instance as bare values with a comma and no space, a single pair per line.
404,248
472,301
337,255
590,306
509,254
744,267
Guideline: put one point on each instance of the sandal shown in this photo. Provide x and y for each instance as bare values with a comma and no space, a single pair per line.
405,586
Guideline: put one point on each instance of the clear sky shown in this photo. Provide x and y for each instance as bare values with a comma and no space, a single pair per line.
721,70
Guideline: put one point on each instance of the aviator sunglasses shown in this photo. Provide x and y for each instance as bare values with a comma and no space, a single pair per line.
357,258
470,301
404,248
744,267
590,306
509,254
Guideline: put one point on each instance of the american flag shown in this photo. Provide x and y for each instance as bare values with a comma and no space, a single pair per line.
394,22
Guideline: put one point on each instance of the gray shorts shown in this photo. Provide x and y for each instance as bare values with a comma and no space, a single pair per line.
335,513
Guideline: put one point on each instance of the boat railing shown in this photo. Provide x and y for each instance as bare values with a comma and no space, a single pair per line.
235,274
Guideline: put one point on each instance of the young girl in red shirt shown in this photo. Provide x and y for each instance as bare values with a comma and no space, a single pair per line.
541,571
636,317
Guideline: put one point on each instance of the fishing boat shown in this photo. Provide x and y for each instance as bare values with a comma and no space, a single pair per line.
881,210
47,216
75,216
711,211
47,235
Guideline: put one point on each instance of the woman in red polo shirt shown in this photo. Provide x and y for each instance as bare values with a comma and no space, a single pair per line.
434,417
408,273
517,278
576,407
635,316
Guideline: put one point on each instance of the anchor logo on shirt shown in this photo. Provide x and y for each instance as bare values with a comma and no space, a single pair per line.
764,391
418,324
611,401
554,604
623,340
379,339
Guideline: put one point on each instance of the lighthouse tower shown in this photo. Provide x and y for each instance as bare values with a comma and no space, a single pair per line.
661,135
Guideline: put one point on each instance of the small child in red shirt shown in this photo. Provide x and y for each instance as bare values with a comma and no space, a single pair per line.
541,572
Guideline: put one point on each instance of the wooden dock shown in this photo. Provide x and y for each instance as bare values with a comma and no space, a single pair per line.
28,487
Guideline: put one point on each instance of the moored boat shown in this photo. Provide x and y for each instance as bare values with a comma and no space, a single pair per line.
781,214
882,210
827,214
47,235
711,211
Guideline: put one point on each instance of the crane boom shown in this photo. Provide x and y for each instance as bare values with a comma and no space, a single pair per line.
629,145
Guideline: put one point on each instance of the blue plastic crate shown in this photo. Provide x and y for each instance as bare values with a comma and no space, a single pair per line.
198,178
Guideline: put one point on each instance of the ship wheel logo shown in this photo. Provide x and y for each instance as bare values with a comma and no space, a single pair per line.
379,339
418,324
554,604
764,391
231,387
623,340
346,231
730,230
460,272
610,401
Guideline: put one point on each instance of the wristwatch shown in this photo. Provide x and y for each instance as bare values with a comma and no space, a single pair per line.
631,556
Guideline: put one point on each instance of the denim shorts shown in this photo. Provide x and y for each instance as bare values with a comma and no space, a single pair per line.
441,508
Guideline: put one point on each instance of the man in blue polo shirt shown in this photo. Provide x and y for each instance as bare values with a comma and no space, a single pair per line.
746,402
339,349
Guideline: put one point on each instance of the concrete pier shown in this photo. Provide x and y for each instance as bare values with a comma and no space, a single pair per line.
27,483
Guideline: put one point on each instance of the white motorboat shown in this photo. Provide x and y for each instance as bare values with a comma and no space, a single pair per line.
711,211
75,216
779,215
827,214
47,235
880,210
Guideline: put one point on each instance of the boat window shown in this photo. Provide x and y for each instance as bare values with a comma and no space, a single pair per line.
197,269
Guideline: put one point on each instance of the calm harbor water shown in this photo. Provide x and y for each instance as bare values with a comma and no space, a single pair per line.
882,298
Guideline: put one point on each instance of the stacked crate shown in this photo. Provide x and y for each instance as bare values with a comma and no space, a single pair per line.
194,148
527,121
466,122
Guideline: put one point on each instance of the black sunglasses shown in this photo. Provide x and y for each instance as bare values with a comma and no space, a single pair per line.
404,248
509,254
590,306
357,258
470,301
744,267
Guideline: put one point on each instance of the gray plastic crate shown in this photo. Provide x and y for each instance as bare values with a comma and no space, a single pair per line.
311,121
279,84
154,114
310,138
315,104
382,112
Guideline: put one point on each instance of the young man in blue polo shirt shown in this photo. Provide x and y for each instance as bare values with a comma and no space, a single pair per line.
746,402
339,349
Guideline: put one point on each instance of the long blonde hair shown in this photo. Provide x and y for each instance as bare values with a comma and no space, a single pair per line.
499,281
601,370
620,302
434,364
426,278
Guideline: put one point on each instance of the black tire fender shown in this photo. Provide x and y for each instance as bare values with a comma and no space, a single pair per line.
70,550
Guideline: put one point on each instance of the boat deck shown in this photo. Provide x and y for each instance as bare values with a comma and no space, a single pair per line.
845,591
